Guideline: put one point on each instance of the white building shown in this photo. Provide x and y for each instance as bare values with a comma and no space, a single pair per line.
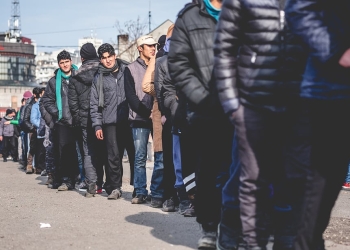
95,41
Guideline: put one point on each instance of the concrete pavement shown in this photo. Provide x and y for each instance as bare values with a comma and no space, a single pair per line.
97,223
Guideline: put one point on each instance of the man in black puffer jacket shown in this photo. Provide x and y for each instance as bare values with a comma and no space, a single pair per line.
191,61
55,101
79,103
29,128
258,69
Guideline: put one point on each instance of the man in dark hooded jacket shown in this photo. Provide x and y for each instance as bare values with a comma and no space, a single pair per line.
55,101
79,104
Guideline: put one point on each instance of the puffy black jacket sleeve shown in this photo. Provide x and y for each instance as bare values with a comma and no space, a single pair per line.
306,18
159,75
169,96
226,45
95,112
45,115
49,99
130,93
26,119
73,101
181,62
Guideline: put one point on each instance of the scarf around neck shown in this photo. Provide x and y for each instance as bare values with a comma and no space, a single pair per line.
102,70
59,77
214,12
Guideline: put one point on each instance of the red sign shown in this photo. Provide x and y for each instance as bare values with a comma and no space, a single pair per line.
2,48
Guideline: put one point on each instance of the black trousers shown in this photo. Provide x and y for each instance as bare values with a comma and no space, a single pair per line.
66,157
169,173
212,149
40,154
9,147
330,146
114,138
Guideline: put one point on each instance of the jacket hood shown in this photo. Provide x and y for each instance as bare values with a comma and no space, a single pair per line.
86,72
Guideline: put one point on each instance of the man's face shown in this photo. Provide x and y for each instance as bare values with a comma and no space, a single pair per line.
65,65
148,50
108,60
12,114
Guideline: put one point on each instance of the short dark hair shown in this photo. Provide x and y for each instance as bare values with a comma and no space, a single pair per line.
36,92
106,47
63,55
23,100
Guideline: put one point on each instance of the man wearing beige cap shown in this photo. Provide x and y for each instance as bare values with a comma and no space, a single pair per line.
140,105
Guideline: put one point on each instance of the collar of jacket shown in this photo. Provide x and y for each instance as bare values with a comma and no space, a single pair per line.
142,62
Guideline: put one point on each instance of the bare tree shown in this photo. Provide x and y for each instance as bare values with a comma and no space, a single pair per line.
128,34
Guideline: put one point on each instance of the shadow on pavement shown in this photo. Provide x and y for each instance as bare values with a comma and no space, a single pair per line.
164,228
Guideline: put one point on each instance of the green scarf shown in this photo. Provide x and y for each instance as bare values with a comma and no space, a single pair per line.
59,76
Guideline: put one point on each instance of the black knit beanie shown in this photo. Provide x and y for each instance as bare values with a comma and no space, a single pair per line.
88,51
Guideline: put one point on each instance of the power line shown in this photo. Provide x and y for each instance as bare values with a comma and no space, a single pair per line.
65,31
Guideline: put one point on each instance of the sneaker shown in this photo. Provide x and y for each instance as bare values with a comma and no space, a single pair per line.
156,202
346,186
227,238
169,206
15,160
5,160
139,199
82,186
49,180
29,169
149,198
37,171
65,187
91,190
208,240
99,190
189,212
183,206
43,173
116,194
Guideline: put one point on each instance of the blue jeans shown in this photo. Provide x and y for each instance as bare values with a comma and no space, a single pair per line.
140,136
80,163
230,192
177,161
157,187
347,179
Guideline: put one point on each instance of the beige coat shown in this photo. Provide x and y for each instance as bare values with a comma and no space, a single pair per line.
148,87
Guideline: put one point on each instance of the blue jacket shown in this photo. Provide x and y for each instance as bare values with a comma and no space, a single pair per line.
325,27
37,120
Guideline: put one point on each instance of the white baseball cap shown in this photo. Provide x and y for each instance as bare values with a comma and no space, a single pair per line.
148,40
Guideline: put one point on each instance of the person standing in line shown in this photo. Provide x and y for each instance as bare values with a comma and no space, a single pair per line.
109,114
7,136
140,105
324,26
55,101
191,61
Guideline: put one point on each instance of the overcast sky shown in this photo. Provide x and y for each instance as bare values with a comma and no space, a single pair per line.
40,18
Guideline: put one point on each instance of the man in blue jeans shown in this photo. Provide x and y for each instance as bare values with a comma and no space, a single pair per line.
141,104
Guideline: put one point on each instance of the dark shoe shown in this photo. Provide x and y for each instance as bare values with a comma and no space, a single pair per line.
149,198
139,199
227,238
116,194
91,190
190,212
5,160
54,185
82,186
49,180
156,202
208,240
183,206
29,169
169,206
65,187
15,160
37,171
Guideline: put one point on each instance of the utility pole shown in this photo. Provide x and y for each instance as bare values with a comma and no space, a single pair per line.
149,17
15,21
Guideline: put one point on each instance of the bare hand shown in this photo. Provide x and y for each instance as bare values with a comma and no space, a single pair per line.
99,134
163,120
0,138
345,59
7,122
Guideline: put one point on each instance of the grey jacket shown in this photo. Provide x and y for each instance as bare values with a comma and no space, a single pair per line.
115,107
6,130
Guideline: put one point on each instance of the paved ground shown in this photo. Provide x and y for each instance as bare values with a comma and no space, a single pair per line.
96,223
